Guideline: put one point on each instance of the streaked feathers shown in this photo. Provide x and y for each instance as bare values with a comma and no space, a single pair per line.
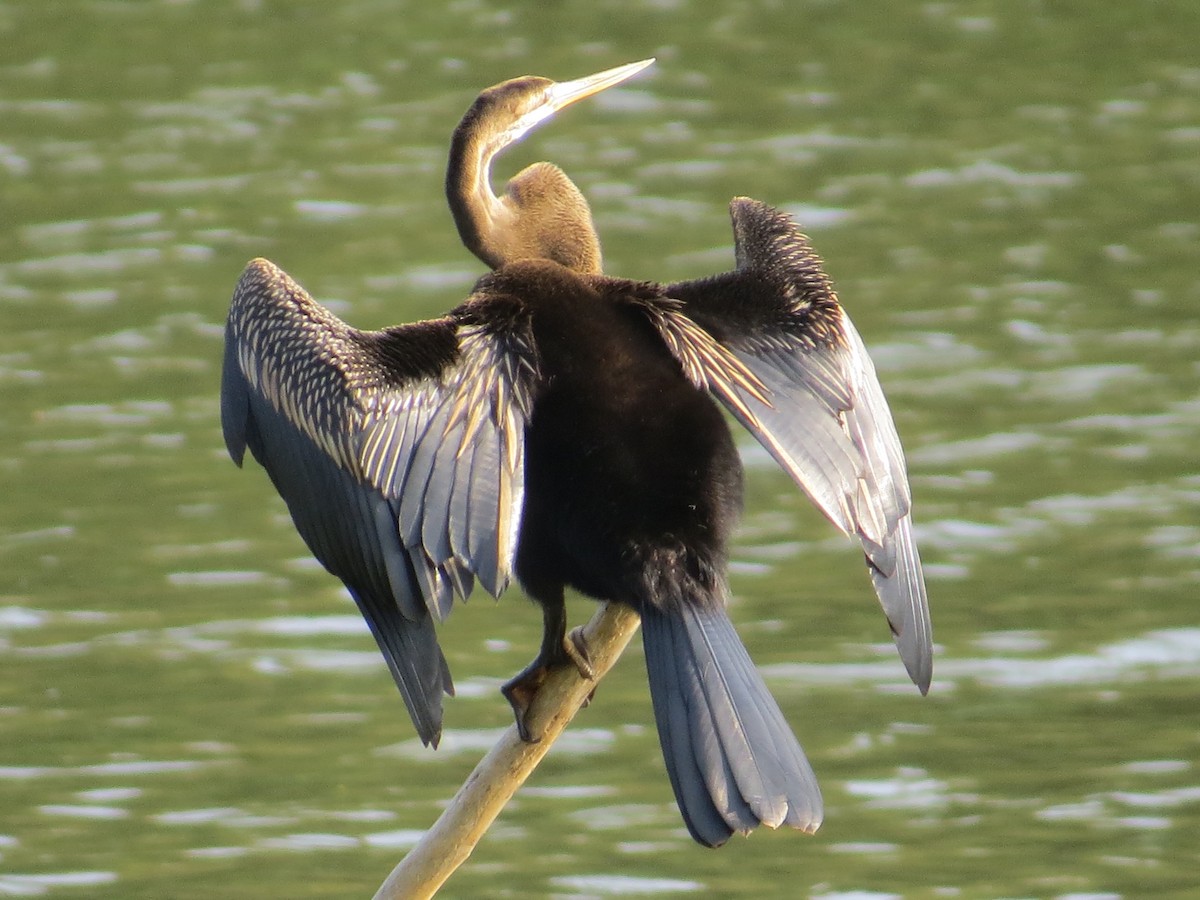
412,449
823,417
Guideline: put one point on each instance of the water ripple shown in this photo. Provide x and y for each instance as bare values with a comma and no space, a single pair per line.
84,812
573,742
1165,653
910,789
997,444
987,172
132,767
624,885
37,885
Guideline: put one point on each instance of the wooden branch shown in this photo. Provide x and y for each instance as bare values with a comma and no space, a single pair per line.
483,795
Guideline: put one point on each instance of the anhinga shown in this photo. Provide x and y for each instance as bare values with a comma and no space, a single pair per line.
561,425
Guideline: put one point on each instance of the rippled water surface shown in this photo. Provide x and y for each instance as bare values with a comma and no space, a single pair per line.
1007,195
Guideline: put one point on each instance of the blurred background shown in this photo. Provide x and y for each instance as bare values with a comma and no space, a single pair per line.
1007,195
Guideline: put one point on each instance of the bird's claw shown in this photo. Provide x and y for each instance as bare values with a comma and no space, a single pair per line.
576,649
522,689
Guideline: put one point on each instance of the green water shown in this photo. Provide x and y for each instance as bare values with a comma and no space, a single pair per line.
1008,197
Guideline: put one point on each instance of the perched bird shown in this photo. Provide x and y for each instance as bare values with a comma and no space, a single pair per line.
566,427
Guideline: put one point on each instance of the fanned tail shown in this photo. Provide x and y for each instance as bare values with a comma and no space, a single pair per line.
732,758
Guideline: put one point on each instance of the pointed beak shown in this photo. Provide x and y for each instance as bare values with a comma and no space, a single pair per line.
567,92
562,94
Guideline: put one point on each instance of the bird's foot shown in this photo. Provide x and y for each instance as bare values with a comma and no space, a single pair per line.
576,649
522,689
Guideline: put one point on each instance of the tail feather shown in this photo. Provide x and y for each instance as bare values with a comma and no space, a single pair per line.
706,822
732,759
744,721
796,808
699,745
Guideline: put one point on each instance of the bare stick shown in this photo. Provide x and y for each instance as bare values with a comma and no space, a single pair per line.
454,835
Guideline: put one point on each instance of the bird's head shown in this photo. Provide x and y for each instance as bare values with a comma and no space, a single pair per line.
542,214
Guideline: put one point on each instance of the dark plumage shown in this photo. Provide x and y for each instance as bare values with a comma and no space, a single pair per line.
560,425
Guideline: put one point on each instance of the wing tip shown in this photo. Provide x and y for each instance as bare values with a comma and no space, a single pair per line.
921,672
905,603
258,272
261,265
916,652
748,213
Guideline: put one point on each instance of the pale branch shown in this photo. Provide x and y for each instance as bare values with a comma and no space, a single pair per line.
447,844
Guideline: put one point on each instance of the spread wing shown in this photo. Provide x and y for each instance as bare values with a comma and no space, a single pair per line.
771,340
399,454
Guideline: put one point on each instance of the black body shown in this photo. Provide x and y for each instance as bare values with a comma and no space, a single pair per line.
631,472
632,488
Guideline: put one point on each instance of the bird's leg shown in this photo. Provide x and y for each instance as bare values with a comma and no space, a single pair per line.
558,649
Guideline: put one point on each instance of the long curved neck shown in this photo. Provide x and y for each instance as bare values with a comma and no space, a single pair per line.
542,215
477,212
